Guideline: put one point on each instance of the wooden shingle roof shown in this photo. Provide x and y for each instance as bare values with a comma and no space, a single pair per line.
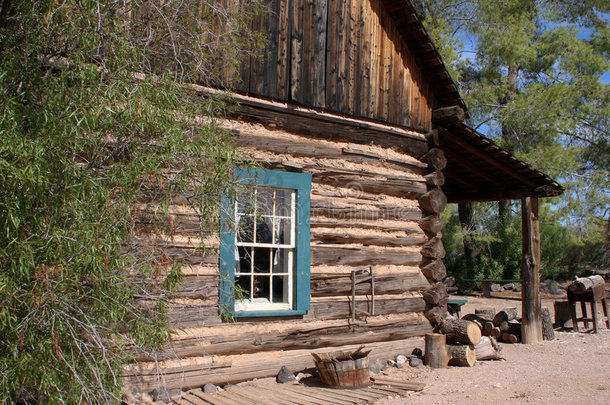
479,170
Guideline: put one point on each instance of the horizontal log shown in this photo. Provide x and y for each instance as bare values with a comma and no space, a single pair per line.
435,158
329,209
222,370
339,307
431,224
434,201
448,115
383,185
362,255
434,269
248,338
378,225
433,249
435,179
308,147
333,284
368,239
329,128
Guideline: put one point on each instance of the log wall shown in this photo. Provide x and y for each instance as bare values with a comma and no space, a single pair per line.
366,209
346,56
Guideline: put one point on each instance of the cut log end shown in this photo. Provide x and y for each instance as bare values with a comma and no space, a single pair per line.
461,331
462,355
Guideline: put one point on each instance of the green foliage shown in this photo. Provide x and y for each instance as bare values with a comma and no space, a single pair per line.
84,140
534,85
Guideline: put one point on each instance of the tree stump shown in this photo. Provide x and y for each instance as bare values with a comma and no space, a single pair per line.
436,350
548,333
461,331
461,355
488,349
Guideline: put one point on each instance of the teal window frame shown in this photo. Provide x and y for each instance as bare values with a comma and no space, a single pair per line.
301,184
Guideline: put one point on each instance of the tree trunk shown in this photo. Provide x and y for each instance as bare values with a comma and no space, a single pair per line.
488,349
461,331
461,355
466,216
436,355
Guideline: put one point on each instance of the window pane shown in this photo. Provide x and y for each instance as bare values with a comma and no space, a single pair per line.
242,287
245,228
280,260
280,289
283,202
262,260
245,260
282,231
245,200
262,287
264,228
264,201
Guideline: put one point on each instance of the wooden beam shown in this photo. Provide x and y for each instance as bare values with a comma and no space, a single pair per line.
452,114
531,325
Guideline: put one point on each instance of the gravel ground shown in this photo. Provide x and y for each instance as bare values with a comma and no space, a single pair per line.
573,369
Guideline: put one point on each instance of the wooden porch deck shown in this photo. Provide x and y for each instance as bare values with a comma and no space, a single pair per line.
301,394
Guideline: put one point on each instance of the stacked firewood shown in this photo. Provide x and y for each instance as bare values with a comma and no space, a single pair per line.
459,343
503,325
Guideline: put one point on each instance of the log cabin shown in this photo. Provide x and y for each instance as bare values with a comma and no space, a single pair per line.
336,242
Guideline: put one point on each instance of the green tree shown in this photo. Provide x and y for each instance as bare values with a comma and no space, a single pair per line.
534,84
95,118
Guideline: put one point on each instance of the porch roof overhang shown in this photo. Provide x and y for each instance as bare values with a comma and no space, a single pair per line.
479,170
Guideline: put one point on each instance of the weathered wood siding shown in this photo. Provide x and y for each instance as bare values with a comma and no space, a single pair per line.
346,56
364,211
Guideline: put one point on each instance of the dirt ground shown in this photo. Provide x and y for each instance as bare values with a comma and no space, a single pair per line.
573,369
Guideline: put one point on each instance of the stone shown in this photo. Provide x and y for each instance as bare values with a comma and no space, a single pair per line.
509,286
551,287
496,288
300,376
417,352
285,376
209,388
400,359
517,288
229,387
415,361
161,394
377,365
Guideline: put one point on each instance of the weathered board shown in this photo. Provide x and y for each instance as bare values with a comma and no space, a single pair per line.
346,56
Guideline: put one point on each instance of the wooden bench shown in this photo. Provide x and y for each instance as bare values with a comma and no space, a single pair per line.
454,307
486,284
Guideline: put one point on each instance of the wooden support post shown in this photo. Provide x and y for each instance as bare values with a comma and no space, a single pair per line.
530,272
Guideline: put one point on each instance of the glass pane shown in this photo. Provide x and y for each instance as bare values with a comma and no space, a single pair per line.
245,260
283,202
280,289
242,288
263,230
262,260
280,260
245,228
264,201
282,231
261,287
245,200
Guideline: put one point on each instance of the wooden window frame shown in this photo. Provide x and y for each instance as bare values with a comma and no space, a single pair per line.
300,183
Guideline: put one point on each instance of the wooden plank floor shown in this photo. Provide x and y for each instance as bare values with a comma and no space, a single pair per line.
300,394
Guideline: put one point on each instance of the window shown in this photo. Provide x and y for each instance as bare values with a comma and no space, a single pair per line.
264,250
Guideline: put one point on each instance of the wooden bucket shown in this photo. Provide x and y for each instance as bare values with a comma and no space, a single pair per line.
342,370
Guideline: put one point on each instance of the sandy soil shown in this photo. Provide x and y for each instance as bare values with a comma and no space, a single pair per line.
573,369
